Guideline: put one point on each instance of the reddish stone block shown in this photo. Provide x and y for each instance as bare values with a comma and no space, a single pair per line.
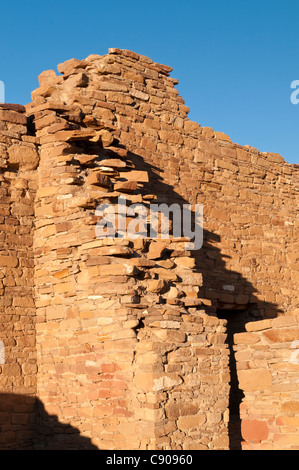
254,430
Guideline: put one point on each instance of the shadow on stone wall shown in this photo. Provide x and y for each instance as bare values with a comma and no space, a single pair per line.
23,420
25,425
238,308
210,261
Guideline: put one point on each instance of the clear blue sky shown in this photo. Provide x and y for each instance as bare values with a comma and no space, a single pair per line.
235,60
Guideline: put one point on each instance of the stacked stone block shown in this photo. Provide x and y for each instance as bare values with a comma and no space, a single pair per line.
268,369
247,195
130,350
115,317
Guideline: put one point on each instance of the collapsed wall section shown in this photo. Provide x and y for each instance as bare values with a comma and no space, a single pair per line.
250,198
18,160
128,353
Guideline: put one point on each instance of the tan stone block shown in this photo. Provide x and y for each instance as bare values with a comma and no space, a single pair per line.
136,175
288,421
115,251
170,335
24,157
8,261
284,321
47,192
285,441
126,186
290,407
175,410
254,379
62,274
139,95
64,287
104,136
26,302
113,163
185,262
144,381
11,370
166,382
186,423
69,65
283,335
13,116
246,338
259,325
55,313
207,132
221,442
87,314
165,274
171,137
156,285
20,209
156,250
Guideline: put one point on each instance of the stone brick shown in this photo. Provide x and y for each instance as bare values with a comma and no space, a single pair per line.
156,250
254,379
253,430
26,158
186,423
13,117
8,261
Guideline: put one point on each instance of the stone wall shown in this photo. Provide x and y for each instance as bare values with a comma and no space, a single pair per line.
127,352
19,159
268,370
131,334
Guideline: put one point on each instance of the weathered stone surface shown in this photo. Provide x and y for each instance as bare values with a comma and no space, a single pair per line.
256,431
13,107
99,180
273,347
25,158
119,337
254,379
156,250
282,335
126,186
13,116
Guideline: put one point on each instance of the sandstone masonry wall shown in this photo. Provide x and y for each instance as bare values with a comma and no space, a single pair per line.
268,370
250,198
19,159
131,335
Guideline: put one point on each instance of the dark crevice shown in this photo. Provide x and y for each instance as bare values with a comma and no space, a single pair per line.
236,320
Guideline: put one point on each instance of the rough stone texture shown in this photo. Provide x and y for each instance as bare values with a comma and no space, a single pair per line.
269,410
129,352
17,310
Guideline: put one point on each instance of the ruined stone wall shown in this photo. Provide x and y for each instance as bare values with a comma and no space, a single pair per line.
19,159
248,261
131,335
128,353
250,198
268,369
